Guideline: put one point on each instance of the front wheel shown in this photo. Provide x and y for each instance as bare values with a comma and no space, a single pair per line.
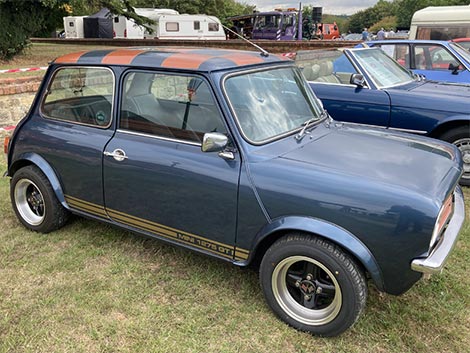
312,284
461,138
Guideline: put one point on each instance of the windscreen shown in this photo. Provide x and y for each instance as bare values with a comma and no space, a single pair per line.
271,103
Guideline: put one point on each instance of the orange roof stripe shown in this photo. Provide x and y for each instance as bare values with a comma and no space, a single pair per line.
183,61
121,56
70,58
243,59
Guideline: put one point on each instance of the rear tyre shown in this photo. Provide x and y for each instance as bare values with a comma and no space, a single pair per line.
312,284
35,202
461,138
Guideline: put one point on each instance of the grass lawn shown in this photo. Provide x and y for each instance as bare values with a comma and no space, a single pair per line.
92,288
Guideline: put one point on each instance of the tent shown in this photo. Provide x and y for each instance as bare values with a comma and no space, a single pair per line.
99,25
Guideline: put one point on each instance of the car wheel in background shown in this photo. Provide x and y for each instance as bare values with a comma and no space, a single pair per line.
34,201
461,138
312,284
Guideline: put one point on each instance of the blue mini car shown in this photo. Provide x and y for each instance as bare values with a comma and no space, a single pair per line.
366,87
230,154
436,60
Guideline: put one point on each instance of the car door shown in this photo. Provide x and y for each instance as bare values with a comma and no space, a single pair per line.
156,178
345,101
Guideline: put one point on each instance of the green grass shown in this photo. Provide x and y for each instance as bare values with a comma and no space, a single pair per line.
91,288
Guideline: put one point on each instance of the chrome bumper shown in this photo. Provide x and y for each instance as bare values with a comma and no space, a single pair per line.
436,260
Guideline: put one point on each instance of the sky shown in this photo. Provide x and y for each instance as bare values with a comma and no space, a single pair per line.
333,7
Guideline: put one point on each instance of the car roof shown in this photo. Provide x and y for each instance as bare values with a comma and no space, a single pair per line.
197,59
408,41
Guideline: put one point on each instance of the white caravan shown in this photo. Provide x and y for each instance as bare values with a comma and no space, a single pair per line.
186,27
127,28
73,26
441,23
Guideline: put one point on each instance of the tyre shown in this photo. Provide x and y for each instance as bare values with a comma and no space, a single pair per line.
312,284
461,138
34,201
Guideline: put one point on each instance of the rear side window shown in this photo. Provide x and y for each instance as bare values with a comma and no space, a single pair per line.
80,95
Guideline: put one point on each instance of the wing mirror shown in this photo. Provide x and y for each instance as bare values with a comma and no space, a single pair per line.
454,68
358,80
214,142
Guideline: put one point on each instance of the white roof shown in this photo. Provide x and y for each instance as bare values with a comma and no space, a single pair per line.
442,14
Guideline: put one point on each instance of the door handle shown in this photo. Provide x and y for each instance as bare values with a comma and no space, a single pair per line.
117,154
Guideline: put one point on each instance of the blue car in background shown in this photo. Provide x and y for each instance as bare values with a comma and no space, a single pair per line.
437,60
364,86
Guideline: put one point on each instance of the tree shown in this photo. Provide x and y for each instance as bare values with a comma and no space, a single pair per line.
18,24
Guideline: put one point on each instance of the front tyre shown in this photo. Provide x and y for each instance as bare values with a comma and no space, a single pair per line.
312,284
461,138
34,201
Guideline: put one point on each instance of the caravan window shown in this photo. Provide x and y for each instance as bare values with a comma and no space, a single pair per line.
213,27
197,25
172,26
71,24
443,33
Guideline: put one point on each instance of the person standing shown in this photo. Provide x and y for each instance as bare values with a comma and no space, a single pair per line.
365,34
381,34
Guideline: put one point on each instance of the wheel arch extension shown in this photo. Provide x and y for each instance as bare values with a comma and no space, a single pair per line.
329,231
35,159
449,123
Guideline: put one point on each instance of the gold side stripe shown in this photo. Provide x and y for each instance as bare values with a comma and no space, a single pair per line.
241,255
179,240
92,209
242,250
142,224
165,227
83,201
84,209
199,242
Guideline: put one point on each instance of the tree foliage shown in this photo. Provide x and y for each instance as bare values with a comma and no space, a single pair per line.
397,13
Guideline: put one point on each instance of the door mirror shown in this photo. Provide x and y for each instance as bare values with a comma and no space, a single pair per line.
214,142
358,80
454,68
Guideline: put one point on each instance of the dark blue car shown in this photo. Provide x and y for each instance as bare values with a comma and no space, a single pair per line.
435,59
366,87
230,154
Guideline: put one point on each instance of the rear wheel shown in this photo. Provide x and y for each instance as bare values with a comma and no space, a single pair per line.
461,138
35,202
313,285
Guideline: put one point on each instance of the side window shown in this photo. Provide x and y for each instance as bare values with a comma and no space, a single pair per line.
172,26
81,95
433,57
399,52
213,27
170,106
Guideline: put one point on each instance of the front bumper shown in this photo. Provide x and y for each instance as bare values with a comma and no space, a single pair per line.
438,257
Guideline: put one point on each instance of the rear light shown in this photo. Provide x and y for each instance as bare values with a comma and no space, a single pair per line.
114,34
125,33
443,218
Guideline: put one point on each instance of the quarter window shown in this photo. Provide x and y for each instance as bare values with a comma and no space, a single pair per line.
80,95
170,106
